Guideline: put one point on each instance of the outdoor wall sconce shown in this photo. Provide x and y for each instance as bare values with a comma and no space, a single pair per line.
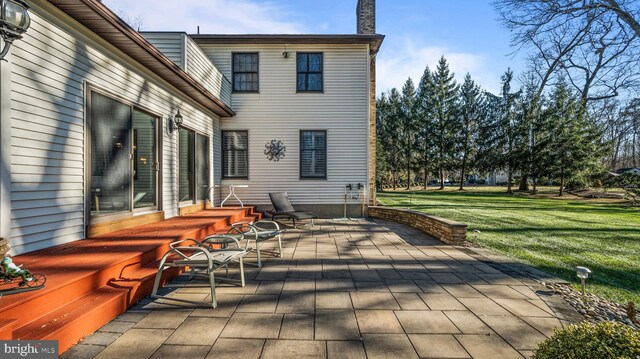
175,122
285,54
14,21
583,274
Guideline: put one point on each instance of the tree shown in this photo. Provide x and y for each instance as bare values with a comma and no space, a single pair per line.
382,140
424,112
593,43
445,110
393,135
408,128
508,128
470,106
574,139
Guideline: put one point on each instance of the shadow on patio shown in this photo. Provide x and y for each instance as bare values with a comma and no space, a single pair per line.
352,289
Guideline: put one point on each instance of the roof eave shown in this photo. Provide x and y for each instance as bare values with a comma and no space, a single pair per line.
101,20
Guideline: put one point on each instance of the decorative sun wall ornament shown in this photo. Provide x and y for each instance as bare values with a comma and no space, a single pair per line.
274,150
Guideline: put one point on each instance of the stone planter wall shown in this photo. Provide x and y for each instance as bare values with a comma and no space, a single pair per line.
4,247
448,231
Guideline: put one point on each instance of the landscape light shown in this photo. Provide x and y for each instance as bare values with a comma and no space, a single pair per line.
583,274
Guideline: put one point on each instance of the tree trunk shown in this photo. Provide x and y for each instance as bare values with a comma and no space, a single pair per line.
509,179
426,177
524,183
561,192
462,170
441,177
395,180
535,185
408,177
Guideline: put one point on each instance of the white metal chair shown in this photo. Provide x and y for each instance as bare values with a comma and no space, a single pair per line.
259,232
203,260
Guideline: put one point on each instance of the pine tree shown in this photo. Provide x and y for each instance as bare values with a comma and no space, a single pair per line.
574,139
393,135
508,128
408,128
470,107
382,139
445,109
424,112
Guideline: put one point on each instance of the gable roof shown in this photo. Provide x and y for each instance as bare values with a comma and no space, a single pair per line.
102,21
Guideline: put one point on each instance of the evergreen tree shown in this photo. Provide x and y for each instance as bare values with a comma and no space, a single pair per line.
382,141
445,109
573,138
393,135
424,113
470,107
408,128
508,128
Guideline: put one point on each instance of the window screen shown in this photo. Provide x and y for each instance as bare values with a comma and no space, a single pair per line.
313,154
235,161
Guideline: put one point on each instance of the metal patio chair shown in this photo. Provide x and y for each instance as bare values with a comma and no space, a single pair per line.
203,259
259,232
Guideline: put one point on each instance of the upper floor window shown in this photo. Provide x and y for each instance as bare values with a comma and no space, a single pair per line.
309,70
235,154
245,72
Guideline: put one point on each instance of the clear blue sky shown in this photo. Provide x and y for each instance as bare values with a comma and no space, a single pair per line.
417,32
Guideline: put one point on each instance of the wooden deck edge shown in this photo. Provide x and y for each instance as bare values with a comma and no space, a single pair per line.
124,223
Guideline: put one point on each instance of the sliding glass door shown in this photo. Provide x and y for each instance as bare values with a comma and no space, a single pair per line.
123,158
194,166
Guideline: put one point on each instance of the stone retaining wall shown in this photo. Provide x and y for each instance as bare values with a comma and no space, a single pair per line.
4,247
448,231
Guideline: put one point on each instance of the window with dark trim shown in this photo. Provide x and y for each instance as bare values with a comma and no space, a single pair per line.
235,154
313,154
245,72
309,72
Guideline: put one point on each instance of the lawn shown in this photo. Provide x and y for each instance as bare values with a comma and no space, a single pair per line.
550,233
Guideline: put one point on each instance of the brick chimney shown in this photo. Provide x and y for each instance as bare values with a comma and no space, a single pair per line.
366,14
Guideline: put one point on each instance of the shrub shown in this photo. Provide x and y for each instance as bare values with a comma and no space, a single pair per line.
587,341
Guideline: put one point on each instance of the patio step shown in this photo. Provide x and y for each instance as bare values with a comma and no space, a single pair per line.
111,272
70,323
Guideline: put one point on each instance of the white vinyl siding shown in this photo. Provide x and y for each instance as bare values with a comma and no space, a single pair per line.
171,44
184,52
200,67
279,112
51,67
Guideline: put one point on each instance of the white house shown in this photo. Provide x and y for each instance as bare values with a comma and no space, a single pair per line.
90,131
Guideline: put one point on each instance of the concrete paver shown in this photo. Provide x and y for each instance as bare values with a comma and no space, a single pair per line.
437,346
354,289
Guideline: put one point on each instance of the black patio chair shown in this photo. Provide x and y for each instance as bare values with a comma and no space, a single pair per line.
282,208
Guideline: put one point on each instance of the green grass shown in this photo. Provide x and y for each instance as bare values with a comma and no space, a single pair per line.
549,233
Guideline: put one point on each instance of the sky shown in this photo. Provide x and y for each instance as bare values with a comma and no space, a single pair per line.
418,32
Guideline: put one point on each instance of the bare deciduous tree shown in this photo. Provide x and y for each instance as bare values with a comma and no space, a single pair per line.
595,44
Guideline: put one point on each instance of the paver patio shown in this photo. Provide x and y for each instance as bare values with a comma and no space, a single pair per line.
356,289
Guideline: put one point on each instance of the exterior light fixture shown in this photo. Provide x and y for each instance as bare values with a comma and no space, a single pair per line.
285,54
175,122
14,21
583,274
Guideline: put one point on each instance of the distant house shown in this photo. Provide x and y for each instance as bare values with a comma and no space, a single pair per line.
91,131
635,171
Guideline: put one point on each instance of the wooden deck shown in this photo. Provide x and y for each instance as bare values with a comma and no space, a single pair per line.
91,281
